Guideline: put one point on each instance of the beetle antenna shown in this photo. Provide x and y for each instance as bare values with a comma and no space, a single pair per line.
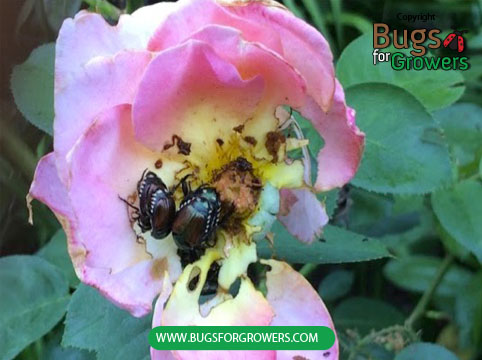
128,203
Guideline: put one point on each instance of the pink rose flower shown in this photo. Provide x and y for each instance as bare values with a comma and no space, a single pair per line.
189,88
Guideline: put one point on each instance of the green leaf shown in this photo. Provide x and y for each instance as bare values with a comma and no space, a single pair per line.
404,152
415,273
468,312
93,323
32,86
475,42
336,285
425,351
329,199
34,298
462,125
57,352
54,351
56,253
332,248
364,315
435,89
57,11
458,210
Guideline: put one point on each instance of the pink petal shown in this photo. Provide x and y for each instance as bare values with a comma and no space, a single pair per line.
107,163
191,16
248,308
98,66
137,28
88,36
296,303
306,215
302,46
208,355
102,83
277,29
156,319
47,188
227,355
338,160
283,84
180,79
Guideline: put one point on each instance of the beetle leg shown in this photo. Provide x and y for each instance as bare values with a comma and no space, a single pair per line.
211,241
183,180
129,204
186,186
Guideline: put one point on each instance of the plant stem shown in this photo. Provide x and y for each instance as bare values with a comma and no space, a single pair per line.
105,8
307,269
427,295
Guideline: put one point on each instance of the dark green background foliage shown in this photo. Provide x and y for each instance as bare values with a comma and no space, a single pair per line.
399,265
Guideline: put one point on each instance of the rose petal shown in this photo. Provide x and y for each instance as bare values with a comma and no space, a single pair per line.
277,29
302,46
338,160
138,27
296,303
306,215
227,355
98,66
249,307
88,36
180,25
47,188
283,84
106,164
157,316
103,83
190,91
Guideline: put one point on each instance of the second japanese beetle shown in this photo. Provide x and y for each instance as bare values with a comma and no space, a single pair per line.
197,219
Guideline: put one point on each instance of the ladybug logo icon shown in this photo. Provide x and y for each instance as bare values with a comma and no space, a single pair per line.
455,41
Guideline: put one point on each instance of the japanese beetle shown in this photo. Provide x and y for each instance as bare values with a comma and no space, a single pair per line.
157,208
146,187
162,211
197,218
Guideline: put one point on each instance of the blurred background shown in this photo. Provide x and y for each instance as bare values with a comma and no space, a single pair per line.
362,297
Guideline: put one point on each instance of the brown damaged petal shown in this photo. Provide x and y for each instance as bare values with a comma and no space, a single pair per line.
274,140
158,268
239,191
288,199
250,140
239,128
183,147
